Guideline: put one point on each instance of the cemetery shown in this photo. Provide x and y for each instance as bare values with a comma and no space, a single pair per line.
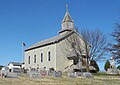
63,80
52,77
11,75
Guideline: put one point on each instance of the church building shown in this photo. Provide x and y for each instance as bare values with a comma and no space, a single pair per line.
54,52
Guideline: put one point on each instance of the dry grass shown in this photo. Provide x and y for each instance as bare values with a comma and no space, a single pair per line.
49,80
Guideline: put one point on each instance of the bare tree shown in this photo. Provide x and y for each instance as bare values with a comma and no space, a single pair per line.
77,47
115,47
98,43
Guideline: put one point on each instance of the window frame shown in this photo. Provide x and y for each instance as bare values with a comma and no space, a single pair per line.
41,57
35,58
28,59
49,56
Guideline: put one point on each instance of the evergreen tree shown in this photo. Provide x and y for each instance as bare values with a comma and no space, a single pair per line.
107,65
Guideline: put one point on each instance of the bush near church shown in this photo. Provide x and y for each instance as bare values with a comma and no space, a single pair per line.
107,65
1,67
118,67
95,65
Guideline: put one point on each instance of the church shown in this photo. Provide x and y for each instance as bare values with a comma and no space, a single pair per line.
55,52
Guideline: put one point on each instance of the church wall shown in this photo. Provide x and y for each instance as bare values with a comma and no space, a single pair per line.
61,61
44,50
63,50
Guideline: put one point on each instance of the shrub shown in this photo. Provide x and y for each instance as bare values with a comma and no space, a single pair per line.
1,67
94,64
118,67
107,65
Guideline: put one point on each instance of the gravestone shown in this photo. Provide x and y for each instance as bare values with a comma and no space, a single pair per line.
87,75
57,74
71,75
50,72
34,74
11,75
43,72
78,74
112,71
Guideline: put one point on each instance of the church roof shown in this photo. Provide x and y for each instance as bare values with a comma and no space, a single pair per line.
67,18
15,63
49,41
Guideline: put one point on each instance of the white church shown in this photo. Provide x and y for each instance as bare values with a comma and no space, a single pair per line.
52,52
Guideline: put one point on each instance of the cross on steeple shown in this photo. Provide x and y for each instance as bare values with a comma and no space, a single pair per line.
66,7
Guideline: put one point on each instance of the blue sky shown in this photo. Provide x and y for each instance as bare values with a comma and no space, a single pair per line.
30,21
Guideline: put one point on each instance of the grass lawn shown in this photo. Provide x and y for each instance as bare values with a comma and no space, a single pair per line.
49,80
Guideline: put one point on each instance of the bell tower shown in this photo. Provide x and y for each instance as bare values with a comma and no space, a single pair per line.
67,22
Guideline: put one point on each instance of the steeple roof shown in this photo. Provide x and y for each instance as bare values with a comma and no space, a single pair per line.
67,17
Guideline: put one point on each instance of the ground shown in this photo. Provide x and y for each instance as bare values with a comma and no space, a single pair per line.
49,80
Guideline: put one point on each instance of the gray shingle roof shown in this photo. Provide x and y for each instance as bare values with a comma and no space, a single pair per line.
16,63
48,41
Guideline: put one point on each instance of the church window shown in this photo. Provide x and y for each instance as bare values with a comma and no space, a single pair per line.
29,60
49,56
34,58
41,57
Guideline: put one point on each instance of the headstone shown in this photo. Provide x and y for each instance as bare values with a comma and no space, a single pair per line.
87,75
78,74
57,74
112,71
71,75
43,72
11,75
34,74
50,72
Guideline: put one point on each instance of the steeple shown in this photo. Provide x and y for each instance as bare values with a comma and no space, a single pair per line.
67,17
67,22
